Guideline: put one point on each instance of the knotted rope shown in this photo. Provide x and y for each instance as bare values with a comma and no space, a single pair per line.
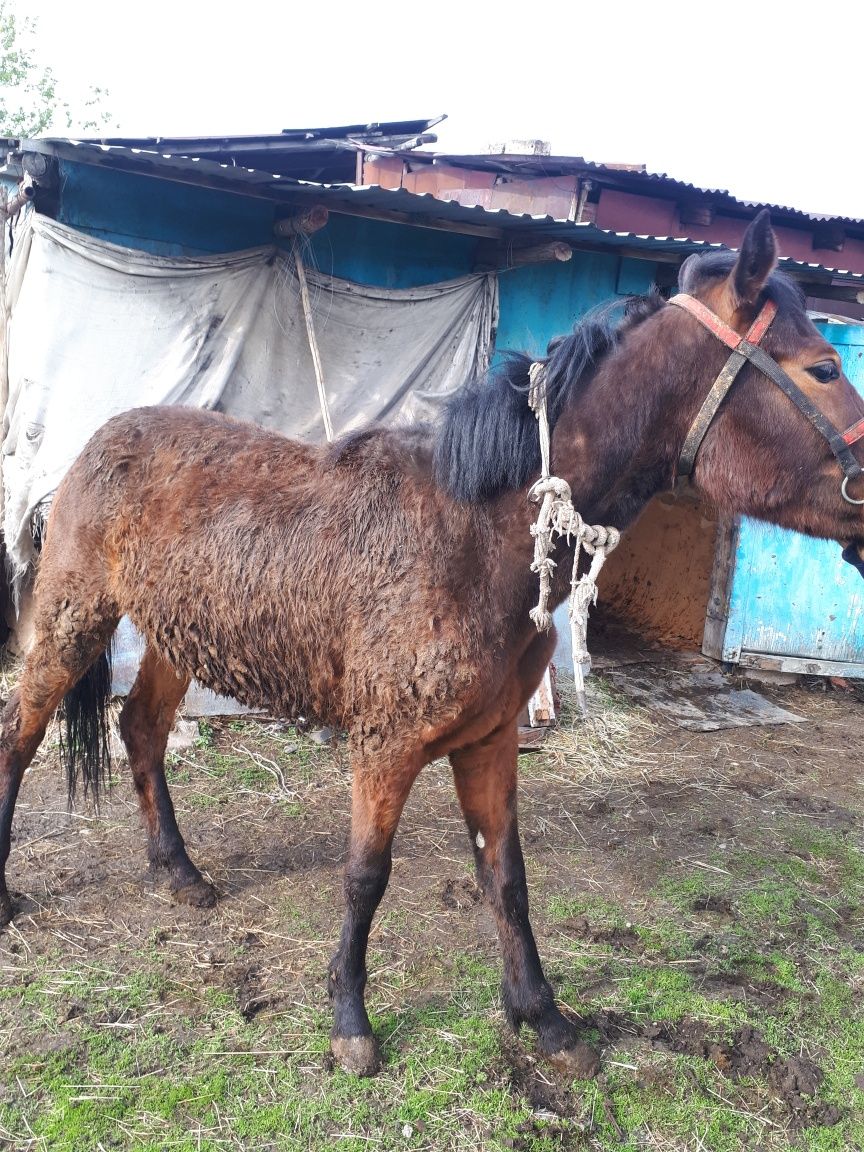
558,517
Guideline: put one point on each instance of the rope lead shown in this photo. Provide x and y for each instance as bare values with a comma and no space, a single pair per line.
558,517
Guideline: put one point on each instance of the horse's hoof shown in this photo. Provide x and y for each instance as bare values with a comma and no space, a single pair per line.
7,911
359,1055
199,894
579,1061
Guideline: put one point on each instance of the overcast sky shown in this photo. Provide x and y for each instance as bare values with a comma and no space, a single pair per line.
717,94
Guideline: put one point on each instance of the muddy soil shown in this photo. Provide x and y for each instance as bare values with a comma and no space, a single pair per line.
270,831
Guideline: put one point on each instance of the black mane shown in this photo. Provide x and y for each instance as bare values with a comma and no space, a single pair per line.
487,442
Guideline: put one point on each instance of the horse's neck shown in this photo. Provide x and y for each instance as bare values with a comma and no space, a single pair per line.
604,491
617,444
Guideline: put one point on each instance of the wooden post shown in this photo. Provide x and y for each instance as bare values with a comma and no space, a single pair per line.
313,344
541,706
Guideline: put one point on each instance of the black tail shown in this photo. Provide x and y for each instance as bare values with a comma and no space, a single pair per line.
85,730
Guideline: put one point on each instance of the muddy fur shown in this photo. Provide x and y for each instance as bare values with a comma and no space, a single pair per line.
284,576
383,584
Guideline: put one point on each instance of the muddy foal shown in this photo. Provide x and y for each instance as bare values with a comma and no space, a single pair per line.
383,584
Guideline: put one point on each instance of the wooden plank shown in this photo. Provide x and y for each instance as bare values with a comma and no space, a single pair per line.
416,221
803,666
722,576
530,739
541,706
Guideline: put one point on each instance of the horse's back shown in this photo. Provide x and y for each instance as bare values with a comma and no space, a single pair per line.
144,443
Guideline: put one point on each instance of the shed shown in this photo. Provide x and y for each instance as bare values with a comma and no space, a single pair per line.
193,199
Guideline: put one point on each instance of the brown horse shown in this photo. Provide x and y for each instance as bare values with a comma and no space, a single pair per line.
383,584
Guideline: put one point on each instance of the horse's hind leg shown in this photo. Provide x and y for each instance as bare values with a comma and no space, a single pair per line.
63,653
145,723
22,728
379,793
485,778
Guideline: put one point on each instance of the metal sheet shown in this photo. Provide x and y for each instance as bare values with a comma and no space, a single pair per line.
793,596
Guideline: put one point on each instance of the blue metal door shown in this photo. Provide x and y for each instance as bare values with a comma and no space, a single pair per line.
794,604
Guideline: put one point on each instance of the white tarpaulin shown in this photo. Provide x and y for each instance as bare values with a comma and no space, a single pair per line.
95,329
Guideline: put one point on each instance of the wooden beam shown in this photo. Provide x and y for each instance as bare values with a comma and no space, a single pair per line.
302,223
390,216
494,257
722,574
696,212
829,236
803,665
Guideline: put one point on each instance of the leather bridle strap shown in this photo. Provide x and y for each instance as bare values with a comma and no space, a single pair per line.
729,372
837,441
746,348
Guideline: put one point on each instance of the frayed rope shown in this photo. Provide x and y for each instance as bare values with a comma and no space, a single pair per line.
558,517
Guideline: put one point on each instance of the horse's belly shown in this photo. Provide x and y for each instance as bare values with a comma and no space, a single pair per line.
242,656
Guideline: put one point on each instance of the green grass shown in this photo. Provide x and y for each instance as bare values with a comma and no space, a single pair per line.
780,926
265,1084
272,767
149,1046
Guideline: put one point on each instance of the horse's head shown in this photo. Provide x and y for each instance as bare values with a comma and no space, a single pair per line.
768,452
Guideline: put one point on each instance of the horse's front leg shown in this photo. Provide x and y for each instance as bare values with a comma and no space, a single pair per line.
485,778
380,788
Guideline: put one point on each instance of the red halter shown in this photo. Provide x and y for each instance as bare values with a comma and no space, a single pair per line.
746,348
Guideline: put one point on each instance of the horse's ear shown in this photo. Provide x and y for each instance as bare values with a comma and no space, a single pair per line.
756,260
688,272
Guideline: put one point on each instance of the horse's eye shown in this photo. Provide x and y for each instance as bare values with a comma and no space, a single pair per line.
825,371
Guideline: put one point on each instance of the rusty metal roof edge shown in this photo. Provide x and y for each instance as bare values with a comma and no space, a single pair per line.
574,164
619,174
423,204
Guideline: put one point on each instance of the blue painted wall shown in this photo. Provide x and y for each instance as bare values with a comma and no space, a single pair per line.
794,596
170,219
537,302
390,255
544,300
158,216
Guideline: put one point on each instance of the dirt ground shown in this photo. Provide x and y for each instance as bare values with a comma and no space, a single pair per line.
697,899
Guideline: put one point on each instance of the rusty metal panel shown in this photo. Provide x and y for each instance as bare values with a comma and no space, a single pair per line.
556,197
385,171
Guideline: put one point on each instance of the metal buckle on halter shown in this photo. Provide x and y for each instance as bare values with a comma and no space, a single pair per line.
847,498
851,436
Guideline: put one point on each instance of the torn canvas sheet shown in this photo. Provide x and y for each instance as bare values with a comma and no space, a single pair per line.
95,329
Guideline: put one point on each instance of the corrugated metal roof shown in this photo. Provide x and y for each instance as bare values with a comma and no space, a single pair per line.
623,175
368,134
751,206
398,204
323,154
